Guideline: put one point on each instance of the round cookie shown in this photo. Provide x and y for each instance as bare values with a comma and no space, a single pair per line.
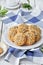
13,29
36,31
37,37
22,28
20,39
30,38
34,28
12,32
1,50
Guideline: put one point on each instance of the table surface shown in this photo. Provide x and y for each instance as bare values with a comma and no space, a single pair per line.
1,59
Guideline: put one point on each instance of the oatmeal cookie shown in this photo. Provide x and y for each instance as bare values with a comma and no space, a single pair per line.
20,39
37,37
1,50
22,28
12,32
30,38
34,28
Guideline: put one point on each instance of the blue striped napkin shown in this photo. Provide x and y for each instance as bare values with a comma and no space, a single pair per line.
38,20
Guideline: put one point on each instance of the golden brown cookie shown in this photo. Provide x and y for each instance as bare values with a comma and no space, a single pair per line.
34,28
22,28
13,29
30,38
12,32
37,37
1,50
20,39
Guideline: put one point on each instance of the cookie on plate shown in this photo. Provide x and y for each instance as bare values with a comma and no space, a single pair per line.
37,37
12,32
1,50
36,30
22,28
20,39
30,38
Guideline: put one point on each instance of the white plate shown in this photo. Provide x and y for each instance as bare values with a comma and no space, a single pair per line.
14,7
7,41
4,47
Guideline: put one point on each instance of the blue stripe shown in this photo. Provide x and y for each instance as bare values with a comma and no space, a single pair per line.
34,20
10,19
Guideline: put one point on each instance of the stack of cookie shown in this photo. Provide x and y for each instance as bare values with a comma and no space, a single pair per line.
24,34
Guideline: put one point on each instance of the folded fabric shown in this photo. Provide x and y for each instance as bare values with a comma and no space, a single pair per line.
34,55
29,17
31,55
